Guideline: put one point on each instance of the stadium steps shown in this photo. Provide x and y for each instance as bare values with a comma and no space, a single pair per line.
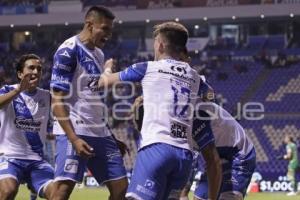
257,83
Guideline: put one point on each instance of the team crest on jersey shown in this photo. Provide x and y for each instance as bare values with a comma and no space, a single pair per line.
32,106
71,166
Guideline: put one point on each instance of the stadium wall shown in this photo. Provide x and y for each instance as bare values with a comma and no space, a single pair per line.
61,13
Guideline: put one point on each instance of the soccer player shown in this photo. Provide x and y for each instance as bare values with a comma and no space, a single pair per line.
234,147
164,158
292,156
25,122
83,138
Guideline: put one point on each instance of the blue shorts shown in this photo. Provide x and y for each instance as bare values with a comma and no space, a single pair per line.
237,175
36,173
107,164
160,172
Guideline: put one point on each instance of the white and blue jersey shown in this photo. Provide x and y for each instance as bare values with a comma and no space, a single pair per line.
76,71
235,149
25,123
167,89
230,137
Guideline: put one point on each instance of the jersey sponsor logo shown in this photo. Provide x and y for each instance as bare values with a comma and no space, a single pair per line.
65,53
177,75
71,166
178,130
199,129
93,84
60,79
63,67
30,125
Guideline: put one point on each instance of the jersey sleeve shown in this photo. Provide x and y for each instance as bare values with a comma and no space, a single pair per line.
63,69
5,89
134,73
202,131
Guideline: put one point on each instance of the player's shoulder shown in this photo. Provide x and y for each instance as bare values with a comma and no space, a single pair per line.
69,43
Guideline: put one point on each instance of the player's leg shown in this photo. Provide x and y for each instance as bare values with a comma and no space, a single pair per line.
201,191
8,188
180,175
69,169
11,173
291,175
107,166
41,178
237,176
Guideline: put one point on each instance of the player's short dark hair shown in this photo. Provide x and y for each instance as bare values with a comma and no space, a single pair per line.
175,34
21,61
100,11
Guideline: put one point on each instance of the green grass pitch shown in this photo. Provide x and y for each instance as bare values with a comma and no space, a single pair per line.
102,194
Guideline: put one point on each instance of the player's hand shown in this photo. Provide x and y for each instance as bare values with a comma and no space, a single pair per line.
110,65
83,149
122,147
28,81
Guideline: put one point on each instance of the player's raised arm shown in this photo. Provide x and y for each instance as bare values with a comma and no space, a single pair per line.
134,73
7,94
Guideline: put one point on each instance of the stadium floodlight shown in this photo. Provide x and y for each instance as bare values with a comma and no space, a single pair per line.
177,19
196,26
12,25
196,51
120,22
262,16
233,17
26,33
66,23
147,20
292,15
39,25
205,18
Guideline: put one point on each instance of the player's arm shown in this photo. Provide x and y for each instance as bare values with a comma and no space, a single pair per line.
203,136
8,94
62,116
61,82
134,73
288,155
214,170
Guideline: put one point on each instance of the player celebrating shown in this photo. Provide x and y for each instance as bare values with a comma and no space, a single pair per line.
234,147
164,159
25,121
83,137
